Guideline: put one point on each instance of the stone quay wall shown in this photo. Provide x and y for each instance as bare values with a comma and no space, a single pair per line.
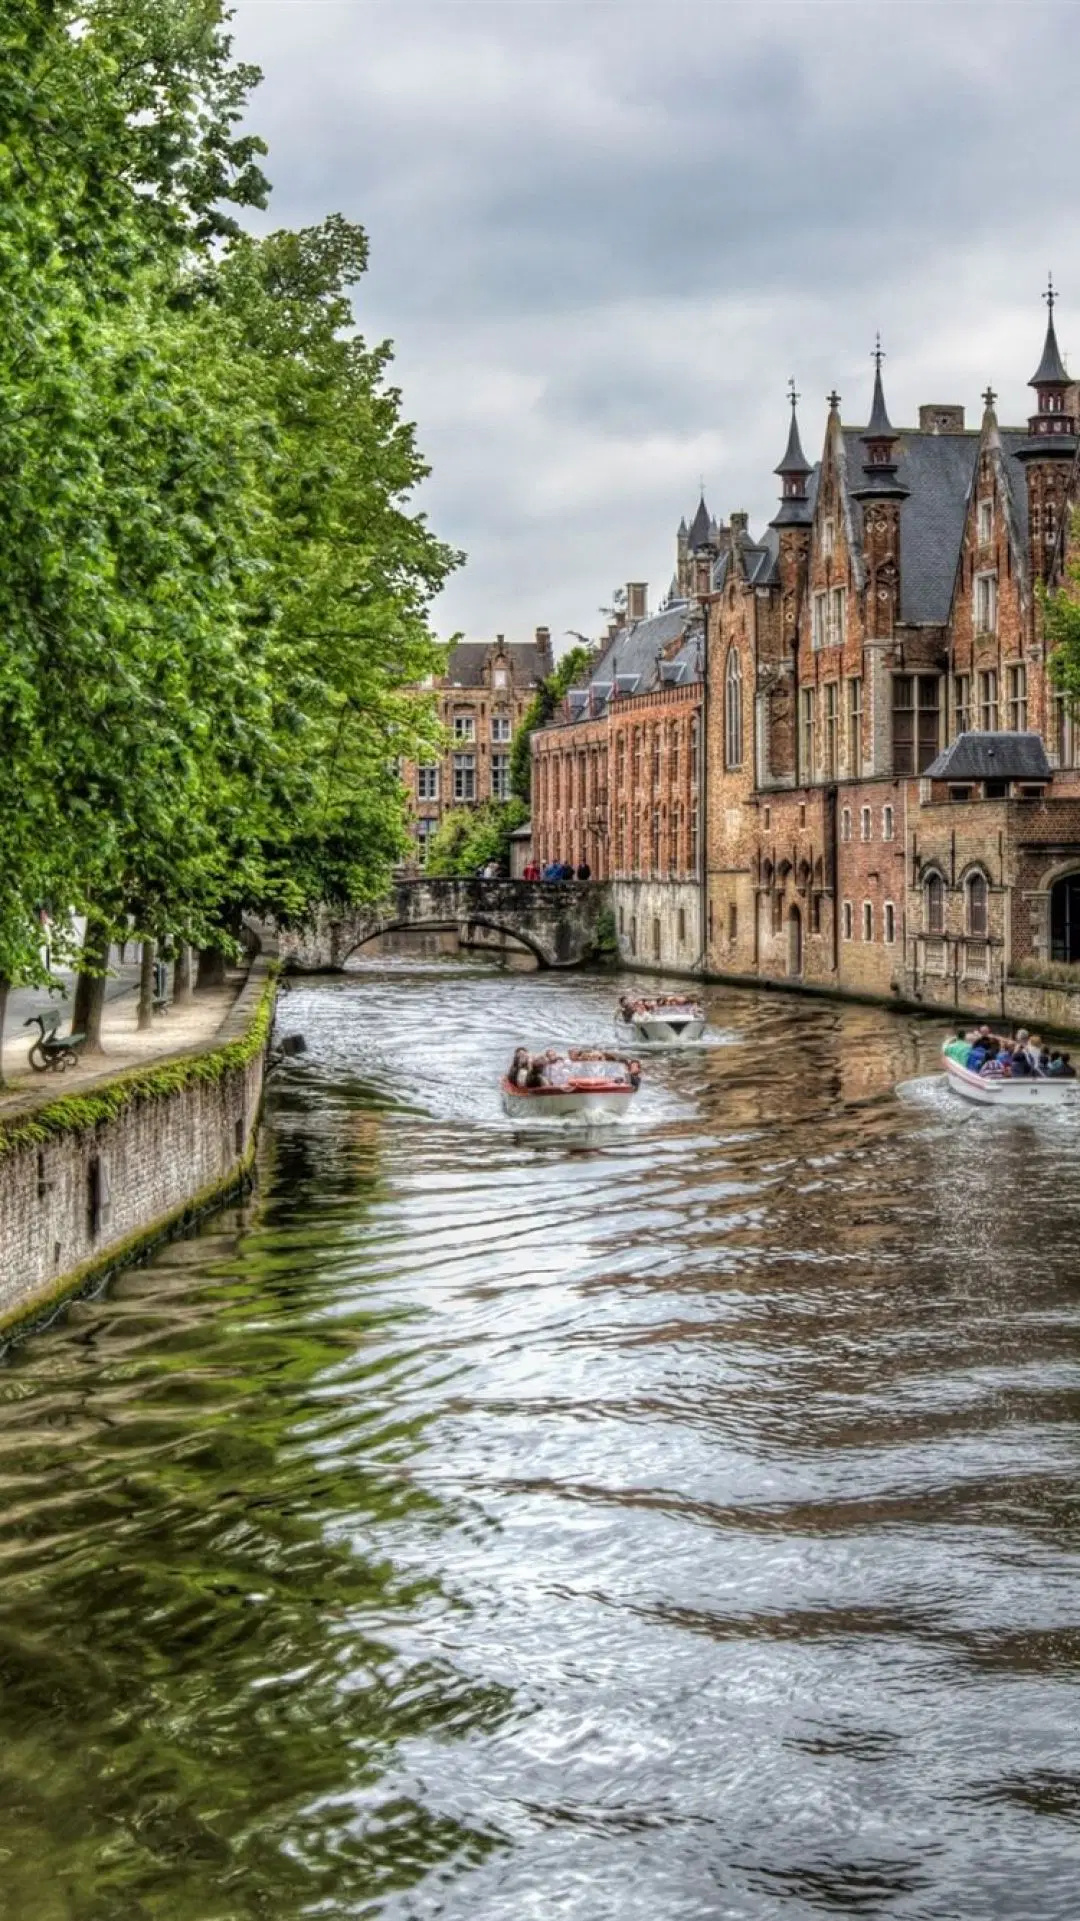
88,1178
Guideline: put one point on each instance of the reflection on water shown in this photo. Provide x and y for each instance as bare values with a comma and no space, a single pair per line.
674,1523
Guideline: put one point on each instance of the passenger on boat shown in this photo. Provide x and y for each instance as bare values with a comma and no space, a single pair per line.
1061,1067
960,1046
994,1066
519,1068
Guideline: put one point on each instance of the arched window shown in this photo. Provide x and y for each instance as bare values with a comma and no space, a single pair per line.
976,905
935,904
733,729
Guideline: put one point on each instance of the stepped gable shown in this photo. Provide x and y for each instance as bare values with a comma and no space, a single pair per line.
465,667
978,756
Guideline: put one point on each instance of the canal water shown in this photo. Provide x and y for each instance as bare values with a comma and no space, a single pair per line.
679,1521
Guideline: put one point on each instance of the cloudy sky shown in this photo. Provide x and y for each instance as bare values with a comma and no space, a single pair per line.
603,237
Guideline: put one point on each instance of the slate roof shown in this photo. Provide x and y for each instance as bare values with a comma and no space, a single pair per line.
629,663
992,757
759,559
465,667
937,470
701,527
1050,371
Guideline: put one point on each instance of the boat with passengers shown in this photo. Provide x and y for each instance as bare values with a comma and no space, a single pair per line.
585,1081
1016,1071
663,1019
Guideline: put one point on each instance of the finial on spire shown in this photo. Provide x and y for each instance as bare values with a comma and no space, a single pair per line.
1050,372
833,400
878,354
792,395
989,399
1050,296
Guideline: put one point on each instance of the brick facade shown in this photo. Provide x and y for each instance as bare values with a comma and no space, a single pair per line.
482,699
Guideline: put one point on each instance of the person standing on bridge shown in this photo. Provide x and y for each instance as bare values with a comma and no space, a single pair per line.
584,871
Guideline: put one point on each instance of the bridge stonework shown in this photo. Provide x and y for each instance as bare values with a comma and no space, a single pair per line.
559,921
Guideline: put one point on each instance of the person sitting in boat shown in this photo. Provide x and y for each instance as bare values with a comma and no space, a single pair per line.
536,1073
959,1048
519,1068
992,1065
1021,1066
1061,1067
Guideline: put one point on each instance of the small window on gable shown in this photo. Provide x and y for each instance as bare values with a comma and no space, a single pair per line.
986,522
828,537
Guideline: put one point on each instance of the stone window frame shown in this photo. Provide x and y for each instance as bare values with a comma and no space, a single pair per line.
733,709
888,916
989,693
427,780
1016,695
984,520
888,822
854,724
933,884
973,879
464,777
848,920
845,823
866,824
868,920
502,729
464,727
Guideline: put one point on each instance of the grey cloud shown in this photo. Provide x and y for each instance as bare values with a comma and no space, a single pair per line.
603,237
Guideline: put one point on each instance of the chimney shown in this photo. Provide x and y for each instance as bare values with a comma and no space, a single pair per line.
703,566
739,523
543,648
637,600
938,419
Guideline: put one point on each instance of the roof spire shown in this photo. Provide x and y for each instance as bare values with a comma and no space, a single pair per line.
1050,371
880,427
794,470
879,440
701,534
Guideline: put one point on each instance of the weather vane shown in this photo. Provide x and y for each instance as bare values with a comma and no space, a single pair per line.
878,354
792,395
1050,296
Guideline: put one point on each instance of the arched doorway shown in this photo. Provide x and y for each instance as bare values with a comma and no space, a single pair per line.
1065,919
794,935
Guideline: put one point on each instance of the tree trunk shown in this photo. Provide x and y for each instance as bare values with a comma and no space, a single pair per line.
211,968
182,976
5,988
146,987
90,987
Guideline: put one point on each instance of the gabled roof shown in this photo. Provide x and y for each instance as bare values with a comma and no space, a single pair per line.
663,650
465,667
992,757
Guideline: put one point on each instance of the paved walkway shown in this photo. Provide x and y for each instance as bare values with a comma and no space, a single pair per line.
123,1045
26,1001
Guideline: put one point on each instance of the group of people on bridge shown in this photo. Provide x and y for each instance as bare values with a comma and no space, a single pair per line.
556,870
993,1056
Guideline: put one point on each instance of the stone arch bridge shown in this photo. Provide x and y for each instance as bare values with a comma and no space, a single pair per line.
558,921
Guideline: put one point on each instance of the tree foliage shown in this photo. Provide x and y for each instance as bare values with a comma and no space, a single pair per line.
1061,620
213,593
543,706
468,837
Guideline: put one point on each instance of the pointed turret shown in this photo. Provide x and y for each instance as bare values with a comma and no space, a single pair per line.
879,468
700,534
794,471
1052,429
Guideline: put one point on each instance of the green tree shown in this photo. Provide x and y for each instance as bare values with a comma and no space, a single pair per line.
573,665
1061,620
468,837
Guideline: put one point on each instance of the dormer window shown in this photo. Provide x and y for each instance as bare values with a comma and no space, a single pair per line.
828,538
986,522
498,677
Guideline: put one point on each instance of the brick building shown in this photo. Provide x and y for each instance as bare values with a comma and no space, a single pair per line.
883,794
890,609
482,699
616,778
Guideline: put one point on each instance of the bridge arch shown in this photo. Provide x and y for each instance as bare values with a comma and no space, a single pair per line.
447,926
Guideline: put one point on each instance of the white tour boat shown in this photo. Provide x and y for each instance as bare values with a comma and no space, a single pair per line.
663,1021
591,1099
993,1091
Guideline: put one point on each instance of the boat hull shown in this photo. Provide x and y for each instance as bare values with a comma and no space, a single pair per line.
1036,1092
595,1101
669,1030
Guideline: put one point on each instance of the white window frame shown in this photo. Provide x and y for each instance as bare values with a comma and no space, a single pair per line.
845,823
837,612
868,920
426,829
500,776
807,726
819,616
888,823
866,824
828,537
985,590
464,727
988,679
427,780
985,531
501,728
464,776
